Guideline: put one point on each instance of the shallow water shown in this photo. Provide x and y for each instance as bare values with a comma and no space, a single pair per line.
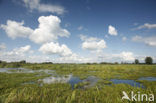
57,79
72,80
54,78
24,70
92,81
30,82
3,70
129,82
16,70
148,78
45,71
62,79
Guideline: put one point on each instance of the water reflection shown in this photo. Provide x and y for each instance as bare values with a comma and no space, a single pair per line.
62,79
24,70
148,78
129,82
92,80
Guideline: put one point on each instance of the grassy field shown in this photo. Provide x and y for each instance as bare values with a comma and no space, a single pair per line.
13,89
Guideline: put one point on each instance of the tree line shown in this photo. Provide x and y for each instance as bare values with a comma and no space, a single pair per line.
148,60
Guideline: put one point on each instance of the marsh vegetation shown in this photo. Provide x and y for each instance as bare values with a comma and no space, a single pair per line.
74,83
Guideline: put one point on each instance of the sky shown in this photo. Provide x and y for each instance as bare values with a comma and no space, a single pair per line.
77,31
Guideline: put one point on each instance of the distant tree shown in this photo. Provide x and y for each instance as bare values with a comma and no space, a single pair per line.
88,63
23,61
3,64
116,63
47,63
136,61
103,63
148,60
94,63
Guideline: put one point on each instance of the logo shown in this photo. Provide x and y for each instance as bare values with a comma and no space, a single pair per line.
138,96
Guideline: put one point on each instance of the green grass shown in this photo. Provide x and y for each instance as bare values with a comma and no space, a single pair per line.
12,90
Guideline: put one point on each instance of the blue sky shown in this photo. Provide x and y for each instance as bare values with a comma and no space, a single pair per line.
77,30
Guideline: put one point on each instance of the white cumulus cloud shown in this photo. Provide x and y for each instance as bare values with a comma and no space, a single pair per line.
16,54
19,51
92,43
112,30
55,48
37,5
127,56
151,41
16,29
49,29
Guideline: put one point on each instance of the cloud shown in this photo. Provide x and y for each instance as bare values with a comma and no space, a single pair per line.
92,43
137,38
80,28
46,34
2,46
147,26
55,48
123,56
20,51
112,30
65,54
74,58
151,41
16,29
16,54
127,56
24,53
38,58
49,29
36,5
124,38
